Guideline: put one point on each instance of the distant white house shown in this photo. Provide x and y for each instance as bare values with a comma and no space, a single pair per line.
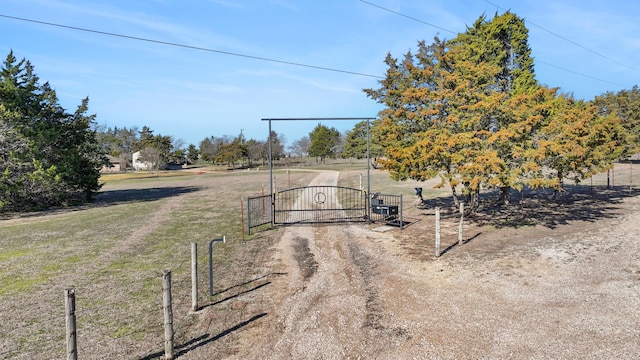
137,164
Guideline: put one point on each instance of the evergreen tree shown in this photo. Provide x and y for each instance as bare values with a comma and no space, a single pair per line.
501,44
193,154
470,111
324,142
624,104
59,159
355,144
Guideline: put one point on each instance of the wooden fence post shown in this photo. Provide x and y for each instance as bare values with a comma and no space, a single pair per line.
194,277
70,311
168,315
437,232
460,226
613,176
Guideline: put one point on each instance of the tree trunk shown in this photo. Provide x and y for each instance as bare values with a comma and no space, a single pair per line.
473,196
476,199
556,192
504,195
456,201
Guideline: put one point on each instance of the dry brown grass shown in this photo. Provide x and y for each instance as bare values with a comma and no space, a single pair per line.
113,251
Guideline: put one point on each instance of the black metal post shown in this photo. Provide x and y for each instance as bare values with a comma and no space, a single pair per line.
368,175
273,220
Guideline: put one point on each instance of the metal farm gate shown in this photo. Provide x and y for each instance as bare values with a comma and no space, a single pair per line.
319,204
322,204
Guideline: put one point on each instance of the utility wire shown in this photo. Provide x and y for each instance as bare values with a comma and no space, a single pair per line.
190,47
569,40
577,73
541,62
408,17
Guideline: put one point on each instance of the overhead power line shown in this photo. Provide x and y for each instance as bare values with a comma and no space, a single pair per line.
408,17
541,62
162,42
577,73
569,40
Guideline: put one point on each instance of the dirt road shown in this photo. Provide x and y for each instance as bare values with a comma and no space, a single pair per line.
329,303
352,292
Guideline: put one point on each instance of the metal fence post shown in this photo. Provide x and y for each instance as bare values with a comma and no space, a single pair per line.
194,277
224,240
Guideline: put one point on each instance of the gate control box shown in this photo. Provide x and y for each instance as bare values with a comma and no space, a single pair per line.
385,209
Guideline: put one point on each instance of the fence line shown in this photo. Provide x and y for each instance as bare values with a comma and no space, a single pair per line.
438,230
168,305
259,211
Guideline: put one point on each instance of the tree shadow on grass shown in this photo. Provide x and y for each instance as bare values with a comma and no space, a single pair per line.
540,207
110,197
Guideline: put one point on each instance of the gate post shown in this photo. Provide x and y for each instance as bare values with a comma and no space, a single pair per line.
248,218
368,173
273,210
401,225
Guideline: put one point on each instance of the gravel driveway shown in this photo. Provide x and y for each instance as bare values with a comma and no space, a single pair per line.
354,292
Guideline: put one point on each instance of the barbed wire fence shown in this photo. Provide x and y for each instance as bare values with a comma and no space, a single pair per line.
123,313
130,314
453,225
160,307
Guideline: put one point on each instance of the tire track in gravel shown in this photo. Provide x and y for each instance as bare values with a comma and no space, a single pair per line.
366,299
304,257
329,305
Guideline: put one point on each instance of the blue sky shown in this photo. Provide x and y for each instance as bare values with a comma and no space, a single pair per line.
585,47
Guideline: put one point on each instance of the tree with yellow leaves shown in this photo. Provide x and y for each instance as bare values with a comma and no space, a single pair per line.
470,111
